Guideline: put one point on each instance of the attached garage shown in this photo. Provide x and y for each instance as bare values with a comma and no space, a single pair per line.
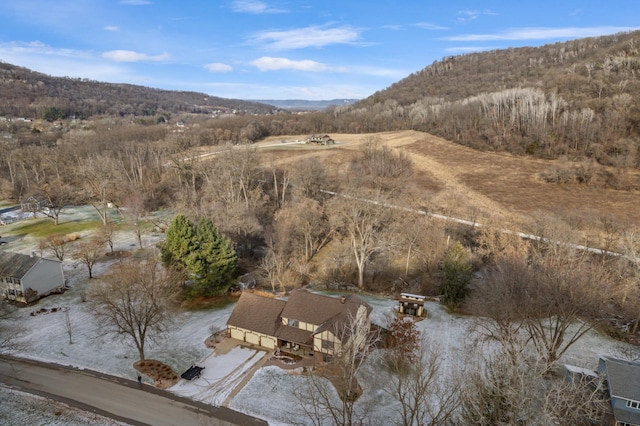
236,333
255,320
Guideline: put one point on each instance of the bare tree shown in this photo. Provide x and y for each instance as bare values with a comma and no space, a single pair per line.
56,244
89,252
362,221
135,302
58,194
333,388
549,304
11,329
68,326
99,184
580,400
134,211
414,378
106,234
498,391
630,243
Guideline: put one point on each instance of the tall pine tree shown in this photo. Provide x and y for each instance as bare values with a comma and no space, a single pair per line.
456,275
179,242
203,253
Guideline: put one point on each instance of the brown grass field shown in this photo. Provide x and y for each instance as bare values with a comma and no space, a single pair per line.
475,185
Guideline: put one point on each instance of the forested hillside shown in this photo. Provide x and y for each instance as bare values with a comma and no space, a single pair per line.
578,98
30,94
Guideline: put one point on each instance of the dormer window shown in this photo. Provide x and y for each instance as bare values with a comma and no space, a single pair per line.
292,323
633,404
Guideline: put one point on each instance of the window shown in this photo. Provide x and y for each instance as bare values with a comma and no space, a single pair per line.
327,345
633,404
292,323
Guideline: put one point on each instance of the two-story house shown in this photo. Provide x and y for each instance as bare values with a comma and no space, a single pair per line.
623,385
306,324
26,278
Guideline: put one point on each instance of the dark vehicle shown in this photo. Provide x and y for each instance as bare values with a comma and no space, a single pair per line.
192,373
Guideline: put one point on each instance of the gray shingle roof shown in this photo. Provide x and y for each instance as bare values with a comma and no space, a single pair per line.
257,313
16,265
623,378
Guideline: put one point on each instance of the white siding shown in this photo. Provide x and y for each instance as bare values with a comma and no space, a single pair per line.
45,276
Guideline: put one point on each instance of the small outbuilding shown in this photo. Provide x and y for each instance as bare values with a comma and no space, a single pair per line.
411,304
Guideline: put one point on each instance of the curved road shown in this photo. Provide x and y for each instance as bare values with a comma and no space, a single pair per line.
115,397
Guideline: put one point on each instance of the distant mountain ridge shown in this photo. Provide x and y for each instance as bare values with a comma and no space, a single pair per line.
301,104
30,94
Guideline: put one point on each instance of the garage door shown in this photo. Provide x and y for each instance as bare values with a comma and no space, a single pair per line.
237,334
252,338
268,342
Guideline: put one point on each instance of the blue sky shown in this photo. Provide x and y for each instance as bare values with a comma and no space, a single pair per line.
282,49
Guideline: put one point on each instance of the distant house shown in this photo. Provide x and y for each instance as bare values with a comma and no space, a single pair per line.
623,385
307,324
411,304
321,139
26,278
34,204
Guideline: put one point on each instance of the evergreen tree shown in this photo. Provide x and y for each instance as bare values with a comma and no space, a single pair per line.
213,262
207,256
456,275
179,242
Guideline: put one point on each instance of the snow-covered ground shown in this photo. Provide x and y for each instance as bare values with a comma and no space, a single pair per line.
268,393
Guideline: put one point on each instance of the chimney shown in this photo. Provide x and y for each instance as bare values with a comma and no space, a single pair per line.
343,299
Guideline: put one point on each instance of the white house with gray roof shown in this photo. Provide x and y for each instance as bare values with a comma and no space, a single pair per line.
623,384
25,278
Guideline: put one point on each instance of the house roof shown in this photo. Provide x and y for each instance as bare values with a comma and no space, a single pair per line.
626,416
264,315
16,265
257,313
317,309
623,378
295,335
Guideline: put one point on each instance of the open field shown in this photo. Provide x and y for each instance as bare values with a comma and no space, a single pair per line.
475,185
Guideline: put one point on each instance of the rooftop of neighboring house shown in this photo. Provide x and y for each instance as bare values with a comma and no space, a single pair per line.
623,378
16,265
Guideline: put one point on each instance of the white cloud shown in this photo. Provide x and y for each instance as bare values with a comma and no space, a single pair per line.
38,48
267,63
131,56
430,26
313,36
111,28
541,33
471,15
254,7
218,67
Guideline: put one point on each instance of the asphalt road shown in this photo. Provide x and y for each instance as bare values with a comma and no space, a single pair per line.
115,397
